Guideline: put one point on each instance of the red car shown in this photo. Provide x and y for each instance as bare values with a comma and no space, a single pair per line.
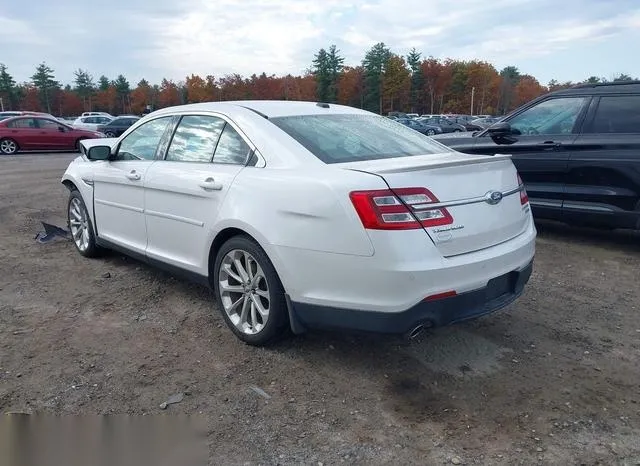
27,132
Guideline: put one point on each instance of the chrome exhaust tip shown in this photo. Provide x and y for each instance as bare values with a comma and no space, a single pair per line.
417,330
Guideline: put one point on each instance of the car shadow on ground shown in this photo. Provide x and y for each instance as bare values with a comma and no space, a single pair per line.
623,240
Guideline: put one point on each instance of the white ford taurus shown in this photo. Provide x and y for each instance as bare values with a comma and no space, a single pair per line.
303,215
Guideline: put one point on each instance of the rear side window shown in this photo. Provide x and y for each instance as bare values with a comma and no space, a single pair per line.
353,138
617,114
195,139
22,123
232,149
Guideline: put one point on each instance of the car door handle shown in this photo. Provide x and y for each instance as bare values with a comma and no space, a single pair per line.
550,145
133,175
210,185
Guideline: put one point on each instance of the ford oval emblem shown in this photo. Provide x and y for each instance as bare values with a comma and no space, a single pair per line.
493,197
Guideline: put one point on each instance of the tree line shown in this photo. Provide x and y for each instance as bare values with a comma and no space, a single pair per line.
384,81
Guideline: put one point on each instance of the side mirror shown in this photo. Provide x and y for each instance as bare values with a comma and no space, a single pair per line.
499,129
501,133
99,153
62,129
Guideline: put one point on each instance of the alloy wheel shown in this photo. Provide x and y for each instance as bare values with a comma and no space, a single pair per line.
244,291
8,147
109,134
79,224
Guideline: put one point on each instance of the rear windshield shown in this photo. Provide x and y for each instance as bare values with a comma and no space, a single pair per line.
353,138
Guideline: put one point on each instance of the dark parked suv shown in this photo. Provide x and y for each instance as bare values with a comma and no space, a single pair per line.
577,151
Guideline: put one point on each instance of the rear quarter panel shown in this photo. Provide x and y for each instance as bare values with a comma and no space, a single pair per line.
304,209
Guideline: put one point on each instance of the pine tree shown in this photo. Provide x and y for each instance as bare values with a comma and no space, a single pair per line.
44,80
123,89
103,83
374,64
8,89
85,87
417,79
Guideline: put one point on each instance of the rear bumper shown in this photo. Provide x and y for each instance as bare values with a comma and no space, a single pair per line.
498,293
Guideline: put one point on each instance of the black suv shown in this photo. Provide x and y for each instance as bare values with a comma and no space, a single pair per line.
577,151
116,127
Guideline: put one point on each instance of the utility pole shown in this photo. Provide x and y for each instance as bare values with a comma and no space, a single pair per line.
473,93
1,105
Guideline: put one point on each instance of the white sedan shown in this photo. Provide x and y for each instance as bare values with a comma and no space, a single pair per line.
304,215
91,122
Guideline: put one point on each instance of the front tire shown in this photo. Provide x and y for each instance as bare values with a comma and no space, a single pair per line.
8,146
249,292
110,134
431,132
80,226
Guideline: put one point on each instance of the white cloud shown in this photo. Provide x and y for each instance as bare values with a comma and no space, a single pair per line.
174,39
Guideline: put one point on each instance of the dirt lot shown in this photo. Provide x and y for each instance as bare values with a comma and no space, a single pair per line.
553,379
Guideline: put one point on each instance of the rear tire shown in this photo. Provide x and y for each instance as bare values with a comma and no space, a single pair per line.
8,146
110,134
249,292
431,132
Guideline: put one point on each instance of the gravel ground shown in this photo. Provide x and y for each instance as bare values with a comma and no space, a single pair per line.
553,379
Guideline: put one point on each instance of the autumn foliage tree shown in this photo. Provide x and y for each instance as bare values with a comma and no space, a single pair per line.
383,82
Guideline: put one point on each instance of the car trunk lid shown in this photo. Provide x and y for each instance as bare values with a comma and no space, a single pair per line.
464,203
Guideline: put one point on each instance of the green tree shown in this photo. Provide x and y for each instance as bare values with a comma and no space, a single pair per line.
321,72
85,87
510,76
417,79
103,83
327,67
123,89
374,64
336,65
622,77
44,80
8,89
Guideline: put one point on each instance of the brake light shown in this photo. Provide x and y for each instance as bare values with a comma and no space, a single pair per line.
524,198
399,209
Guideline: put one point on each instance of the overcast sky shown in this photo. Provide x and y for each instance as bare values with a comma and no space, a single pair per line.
561,39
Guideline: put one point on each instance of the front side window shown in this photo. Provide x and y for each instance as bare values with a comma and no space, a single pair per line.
617,115
231,149
554,116
142,143
48,124
195,139
22,123
356,137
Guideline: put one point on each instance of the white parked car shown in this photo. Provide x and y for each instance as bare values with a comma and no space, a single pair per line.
84,114
91,122
304,215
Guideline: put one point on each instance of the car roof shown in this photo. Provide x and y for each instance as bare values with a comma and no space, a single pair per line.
266,108
622,87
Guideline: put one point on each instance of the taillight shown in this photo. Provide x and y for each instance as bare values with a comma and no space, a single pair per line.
399,209
524,198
